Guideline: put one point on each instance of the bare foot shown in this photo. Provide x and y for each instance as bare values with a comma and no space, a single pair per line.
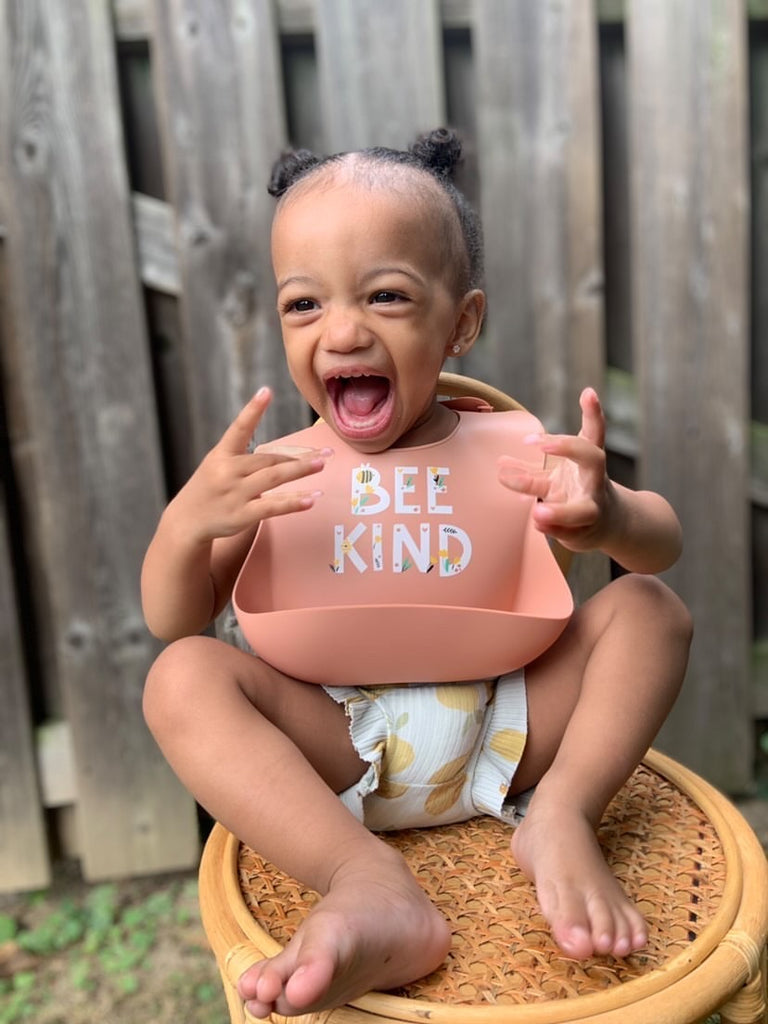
375,929
557,849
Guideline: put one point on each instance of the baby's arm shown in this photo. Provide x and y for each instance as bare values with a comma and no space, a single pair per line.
205,532
583,509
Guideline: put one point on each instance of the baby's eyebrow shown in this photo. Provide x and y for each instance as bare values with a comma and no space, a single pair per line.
295,279
380,271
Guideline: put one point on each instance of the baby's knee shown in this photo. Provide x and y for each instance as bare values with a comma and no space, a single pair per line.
170,682
654,602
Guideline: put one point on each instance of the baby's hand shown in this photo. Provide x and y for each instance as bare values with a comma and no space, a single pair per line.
233,489
575,495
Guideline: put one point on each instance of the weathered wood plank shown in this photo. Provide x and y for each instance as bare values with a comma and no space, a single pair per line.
23,849
611,10
380,71
536,67
84,417
56,764
217,77
154,225
133,18
758,71
688,116
540,187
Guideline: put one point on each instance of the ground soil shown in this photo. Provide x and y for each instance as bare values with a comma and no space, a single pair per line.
151,964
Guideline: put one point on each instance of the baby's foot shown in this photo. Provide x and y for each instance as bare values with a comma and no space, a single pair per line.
583,902
375,929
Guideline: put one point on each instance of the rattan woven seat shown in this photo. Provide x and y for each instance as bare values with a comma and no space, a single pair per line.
680,849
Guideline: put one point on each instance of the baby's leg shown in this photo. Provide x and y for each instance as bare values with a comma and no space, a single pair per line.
264,754
596,701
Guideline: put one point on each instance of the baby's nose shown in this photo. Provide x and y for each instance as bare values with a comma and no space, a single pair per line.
345,331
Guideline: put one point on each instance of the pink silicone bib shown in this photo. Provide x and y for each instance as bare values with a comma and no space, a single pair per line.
416,565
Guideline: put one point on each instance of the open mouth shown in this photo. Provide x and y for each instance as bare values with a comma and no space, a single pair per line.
361,402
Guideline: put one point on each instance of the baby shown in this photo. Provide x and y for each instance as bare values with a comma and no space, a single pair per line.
378,264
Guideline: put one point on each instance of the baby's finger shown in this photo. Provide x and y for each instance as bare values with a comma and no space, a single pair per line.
269,469
237,436
566,515
592,418
574,447
282,503
518,476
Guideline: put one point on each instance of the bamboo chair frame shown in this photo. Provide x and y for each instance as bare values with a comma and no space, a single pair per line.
250,909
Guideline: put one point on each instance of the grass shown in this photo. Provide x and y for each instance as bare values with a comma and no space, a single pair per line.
109,953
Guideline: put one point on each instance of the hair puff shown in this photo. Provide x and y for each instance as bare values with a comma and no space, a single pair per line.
439,151
291,165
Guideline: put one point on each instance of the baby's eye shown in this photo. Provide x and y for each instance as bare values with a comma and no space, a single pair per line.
385,296
300,306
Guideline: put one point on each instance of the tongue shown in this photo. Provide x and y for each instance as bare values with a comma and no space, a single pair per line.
361,395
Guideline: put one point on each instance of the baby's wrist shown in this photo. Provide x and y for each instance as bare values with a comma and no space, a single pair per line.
613,525
184,531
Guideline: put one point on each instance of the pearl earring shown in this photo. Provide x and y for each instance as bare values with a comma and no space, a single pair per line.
456,349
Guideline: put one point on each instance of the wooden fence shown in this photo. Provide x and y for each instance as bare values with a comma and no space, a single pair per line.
619,155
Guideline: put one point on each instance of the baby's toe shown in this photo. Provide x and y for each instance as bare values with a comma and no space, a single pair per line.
571,926
604,925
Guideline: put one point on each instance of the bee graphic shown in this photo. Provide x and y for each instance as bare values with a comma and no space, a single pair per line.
364,474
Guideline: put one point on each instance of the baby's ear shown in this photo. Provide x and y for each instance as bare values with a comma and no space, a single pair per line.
469,320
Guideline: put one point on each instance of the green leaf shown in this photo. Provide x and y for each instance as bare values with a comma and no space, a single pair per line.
60,929
8,928
128,984
81,976
24,981
206,992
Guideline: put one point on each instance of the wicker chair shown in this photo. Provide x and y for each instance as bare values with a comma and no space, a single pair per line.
680,849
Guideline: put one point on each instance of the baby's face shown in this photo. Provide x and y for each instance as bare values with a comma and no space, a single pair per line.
367,311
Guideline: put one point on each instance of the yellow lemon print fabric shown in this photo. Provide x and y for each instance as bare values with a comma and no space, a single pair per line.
436,753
